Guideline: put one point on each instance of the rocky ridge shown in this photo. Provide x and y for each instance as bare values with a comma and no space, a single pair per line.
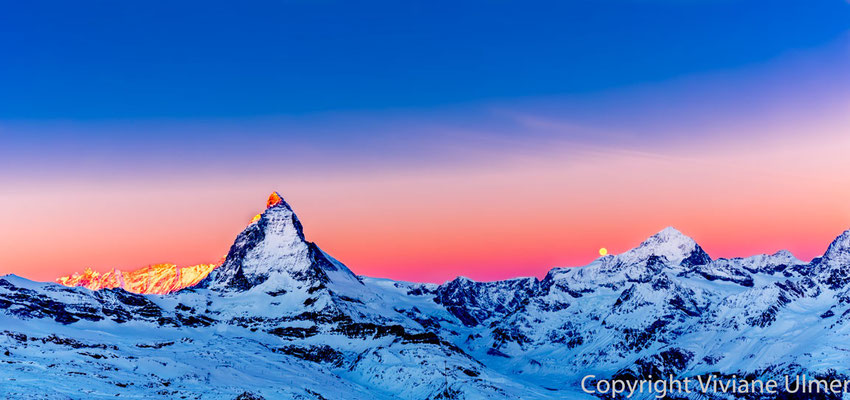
280,318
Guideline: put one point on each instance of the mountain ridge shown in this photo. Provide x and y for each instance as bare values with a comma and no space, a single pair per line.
280,318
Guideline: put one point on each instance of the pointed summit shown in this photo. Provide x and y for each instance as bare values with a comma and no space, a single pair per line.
834,267
839,249
272,251
275,199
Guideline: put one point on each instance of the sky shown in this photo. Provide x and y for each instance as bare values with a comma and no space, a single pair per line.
421,140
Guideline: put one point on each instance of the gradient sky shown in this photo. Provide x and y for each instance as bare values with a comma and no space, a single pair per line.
421,140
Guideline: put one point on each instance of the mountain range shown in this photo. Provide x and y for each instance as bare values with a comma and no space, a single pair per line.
281,319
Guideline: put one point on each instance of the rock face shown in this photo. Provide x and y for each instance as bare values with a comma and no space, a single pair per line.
280,318
833,269
474,303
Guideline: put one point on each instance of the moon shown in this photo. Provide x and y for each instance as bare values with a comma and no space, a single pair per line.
603,251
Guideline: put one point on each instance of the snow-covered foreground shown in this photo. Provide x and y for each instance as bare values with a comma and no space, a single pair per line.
281,319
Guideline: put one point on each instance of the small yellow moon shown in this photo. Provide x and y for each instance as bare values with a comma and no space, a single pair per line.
603,251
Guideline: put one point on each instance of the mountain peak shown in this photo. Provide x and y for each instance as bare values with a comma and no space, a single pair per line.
840,247
673,245
834,267
668,239
670,234
273,251
275,199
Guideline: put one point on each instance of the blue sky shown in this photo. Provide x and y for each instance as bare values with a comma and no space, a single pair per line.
97,60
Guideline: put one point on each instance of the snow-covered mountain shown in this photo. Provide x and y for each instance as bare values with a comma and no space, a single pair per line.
282,319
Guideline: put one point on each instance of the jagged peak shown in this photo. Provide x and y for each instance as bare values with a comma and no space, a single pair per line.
840,247
832,267
273,250
462,280
275,199
783,253
279,220
785,256
152,279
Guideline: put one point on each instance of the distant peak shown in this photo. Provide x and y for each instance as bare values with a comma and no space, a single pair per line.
783,253
274,200
670,233
152,279
673,245
668,236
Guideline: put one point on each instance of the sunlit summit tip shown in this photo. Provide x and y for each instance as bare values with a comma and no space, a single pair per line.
274,199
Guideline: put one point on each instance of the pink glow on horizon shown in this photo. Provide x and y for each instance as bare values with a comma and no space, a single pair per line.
518,216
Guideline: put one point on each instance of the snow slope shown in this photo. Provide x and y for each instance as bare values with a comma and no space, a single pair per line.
281,319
